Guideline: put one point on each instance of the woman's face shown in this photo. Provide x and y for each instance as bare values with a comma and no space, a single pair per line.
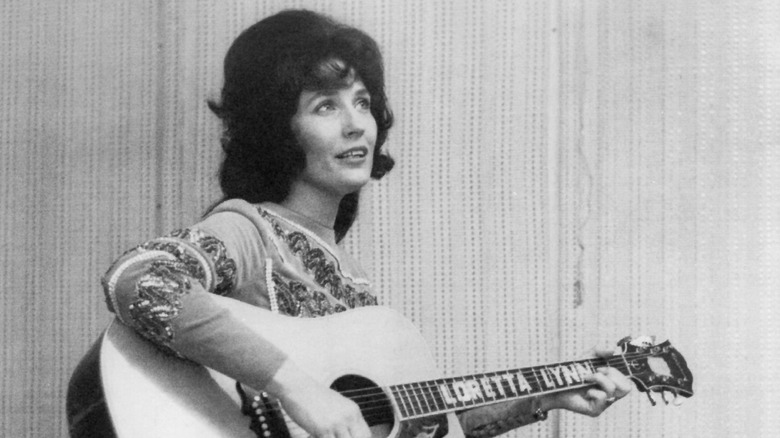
337,132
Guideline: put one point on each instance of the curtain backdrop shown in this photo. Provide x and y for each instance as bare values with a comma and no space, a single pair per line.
568,173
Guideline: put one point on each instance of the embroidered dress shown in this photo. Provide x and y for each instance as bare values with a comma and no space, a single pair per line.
264,255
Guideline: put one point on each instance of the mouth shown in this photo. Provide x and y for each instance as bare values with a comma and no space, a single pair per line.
356,152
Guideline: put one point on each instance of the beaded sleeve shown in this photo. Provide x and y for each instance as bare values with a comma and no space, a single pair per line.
168,267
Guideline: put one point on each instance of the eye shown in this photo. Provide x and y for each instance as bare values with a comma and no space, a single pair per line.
363,103
325,106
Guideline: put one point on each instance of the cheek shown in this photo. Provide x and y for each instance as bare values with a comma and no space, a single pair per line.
317,151
311,141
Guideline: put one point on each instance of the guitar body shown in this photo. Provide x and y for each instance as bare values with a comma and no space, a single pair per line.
150,393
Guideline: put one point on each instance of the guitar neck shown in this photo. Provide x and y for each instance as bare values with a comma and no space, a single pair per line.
420,399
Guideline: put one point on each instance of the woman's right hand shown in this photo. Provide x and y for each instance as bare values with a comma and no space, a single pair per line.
319,410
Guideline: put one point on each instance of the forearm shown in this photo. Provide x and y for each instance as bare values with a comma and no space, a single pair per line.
493,420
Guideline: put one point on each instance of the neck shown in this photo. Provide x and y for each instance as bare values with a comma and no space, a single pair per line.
319,206
419,399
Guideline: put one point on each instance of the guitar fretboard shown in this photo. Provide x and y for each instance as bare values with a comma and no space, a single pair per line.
420,399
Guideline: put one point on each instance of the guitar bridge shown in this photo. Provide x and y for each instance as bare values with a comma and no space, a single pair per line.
265,415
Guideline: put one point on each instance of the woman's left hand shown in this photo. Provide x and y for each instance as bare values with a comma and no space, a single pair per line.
611,385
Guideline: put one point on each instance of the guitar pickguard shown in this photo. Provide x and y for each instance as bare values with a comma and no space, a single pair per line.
428,427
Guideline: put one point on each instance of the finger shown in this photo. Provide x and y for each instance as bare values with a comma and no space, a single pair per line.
603,352
622,383
603,382
342,431
596,395
597,400
360,429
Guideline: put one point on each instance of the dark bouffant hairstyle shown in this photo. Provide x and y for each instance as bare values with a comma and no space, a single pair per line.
266,69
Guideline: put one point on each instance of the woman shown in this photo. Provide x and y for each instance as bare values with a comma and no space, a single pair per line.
305,117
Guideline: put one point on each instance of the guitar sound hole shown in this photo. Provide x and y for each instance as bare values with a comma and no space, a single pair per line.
374,403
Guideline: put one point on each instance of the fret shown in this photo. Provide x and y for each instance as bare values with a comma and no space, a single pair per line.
569,373
456,386
547,377
401,400
499,384
523,385
448,394
538,382
409,400
416,405
494,389
439,399
472,387
510,385
417,399
500,379
585,366
487,387
467,390
426,407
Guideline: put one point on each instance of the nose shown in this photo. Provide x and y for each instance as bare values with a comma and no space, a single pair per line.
353,123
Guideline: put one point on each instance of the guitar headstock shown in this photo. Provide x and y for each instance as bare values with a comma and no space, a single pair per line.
657,368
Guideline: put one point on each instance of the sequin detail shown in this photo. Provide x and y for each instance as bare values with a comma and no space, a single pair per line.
159,291
159,299
295,298
224,266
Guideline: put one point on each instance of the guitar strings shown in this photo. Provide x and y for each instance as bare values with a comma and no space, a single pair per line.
374,401
412,392
375,410
619,363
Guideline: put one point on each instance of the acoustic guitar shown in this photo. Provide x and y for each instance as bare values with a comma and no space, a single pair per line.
372,355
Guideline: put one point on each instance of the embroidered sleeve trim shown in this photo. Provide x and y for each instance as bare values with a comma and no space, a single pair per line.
216,272
206,268
159,299
295,299
176,259
113,275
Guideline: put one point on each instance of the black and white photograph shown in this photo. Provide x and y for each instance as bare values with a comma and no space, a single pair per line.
389,218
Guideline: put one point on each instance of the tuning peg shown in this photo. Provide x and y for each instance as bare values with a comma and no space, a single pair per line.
678,401
643,341
650,397
663,397
624,341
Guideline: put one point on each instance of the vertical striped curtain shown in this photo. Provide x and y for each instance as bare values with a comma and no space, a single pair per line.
568,173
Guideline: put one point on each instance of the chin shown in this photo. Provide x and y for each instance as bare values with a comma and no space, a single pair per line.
354,185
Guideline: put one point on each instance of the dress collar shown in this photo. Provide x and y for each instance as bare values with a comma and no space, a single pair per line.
324,233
